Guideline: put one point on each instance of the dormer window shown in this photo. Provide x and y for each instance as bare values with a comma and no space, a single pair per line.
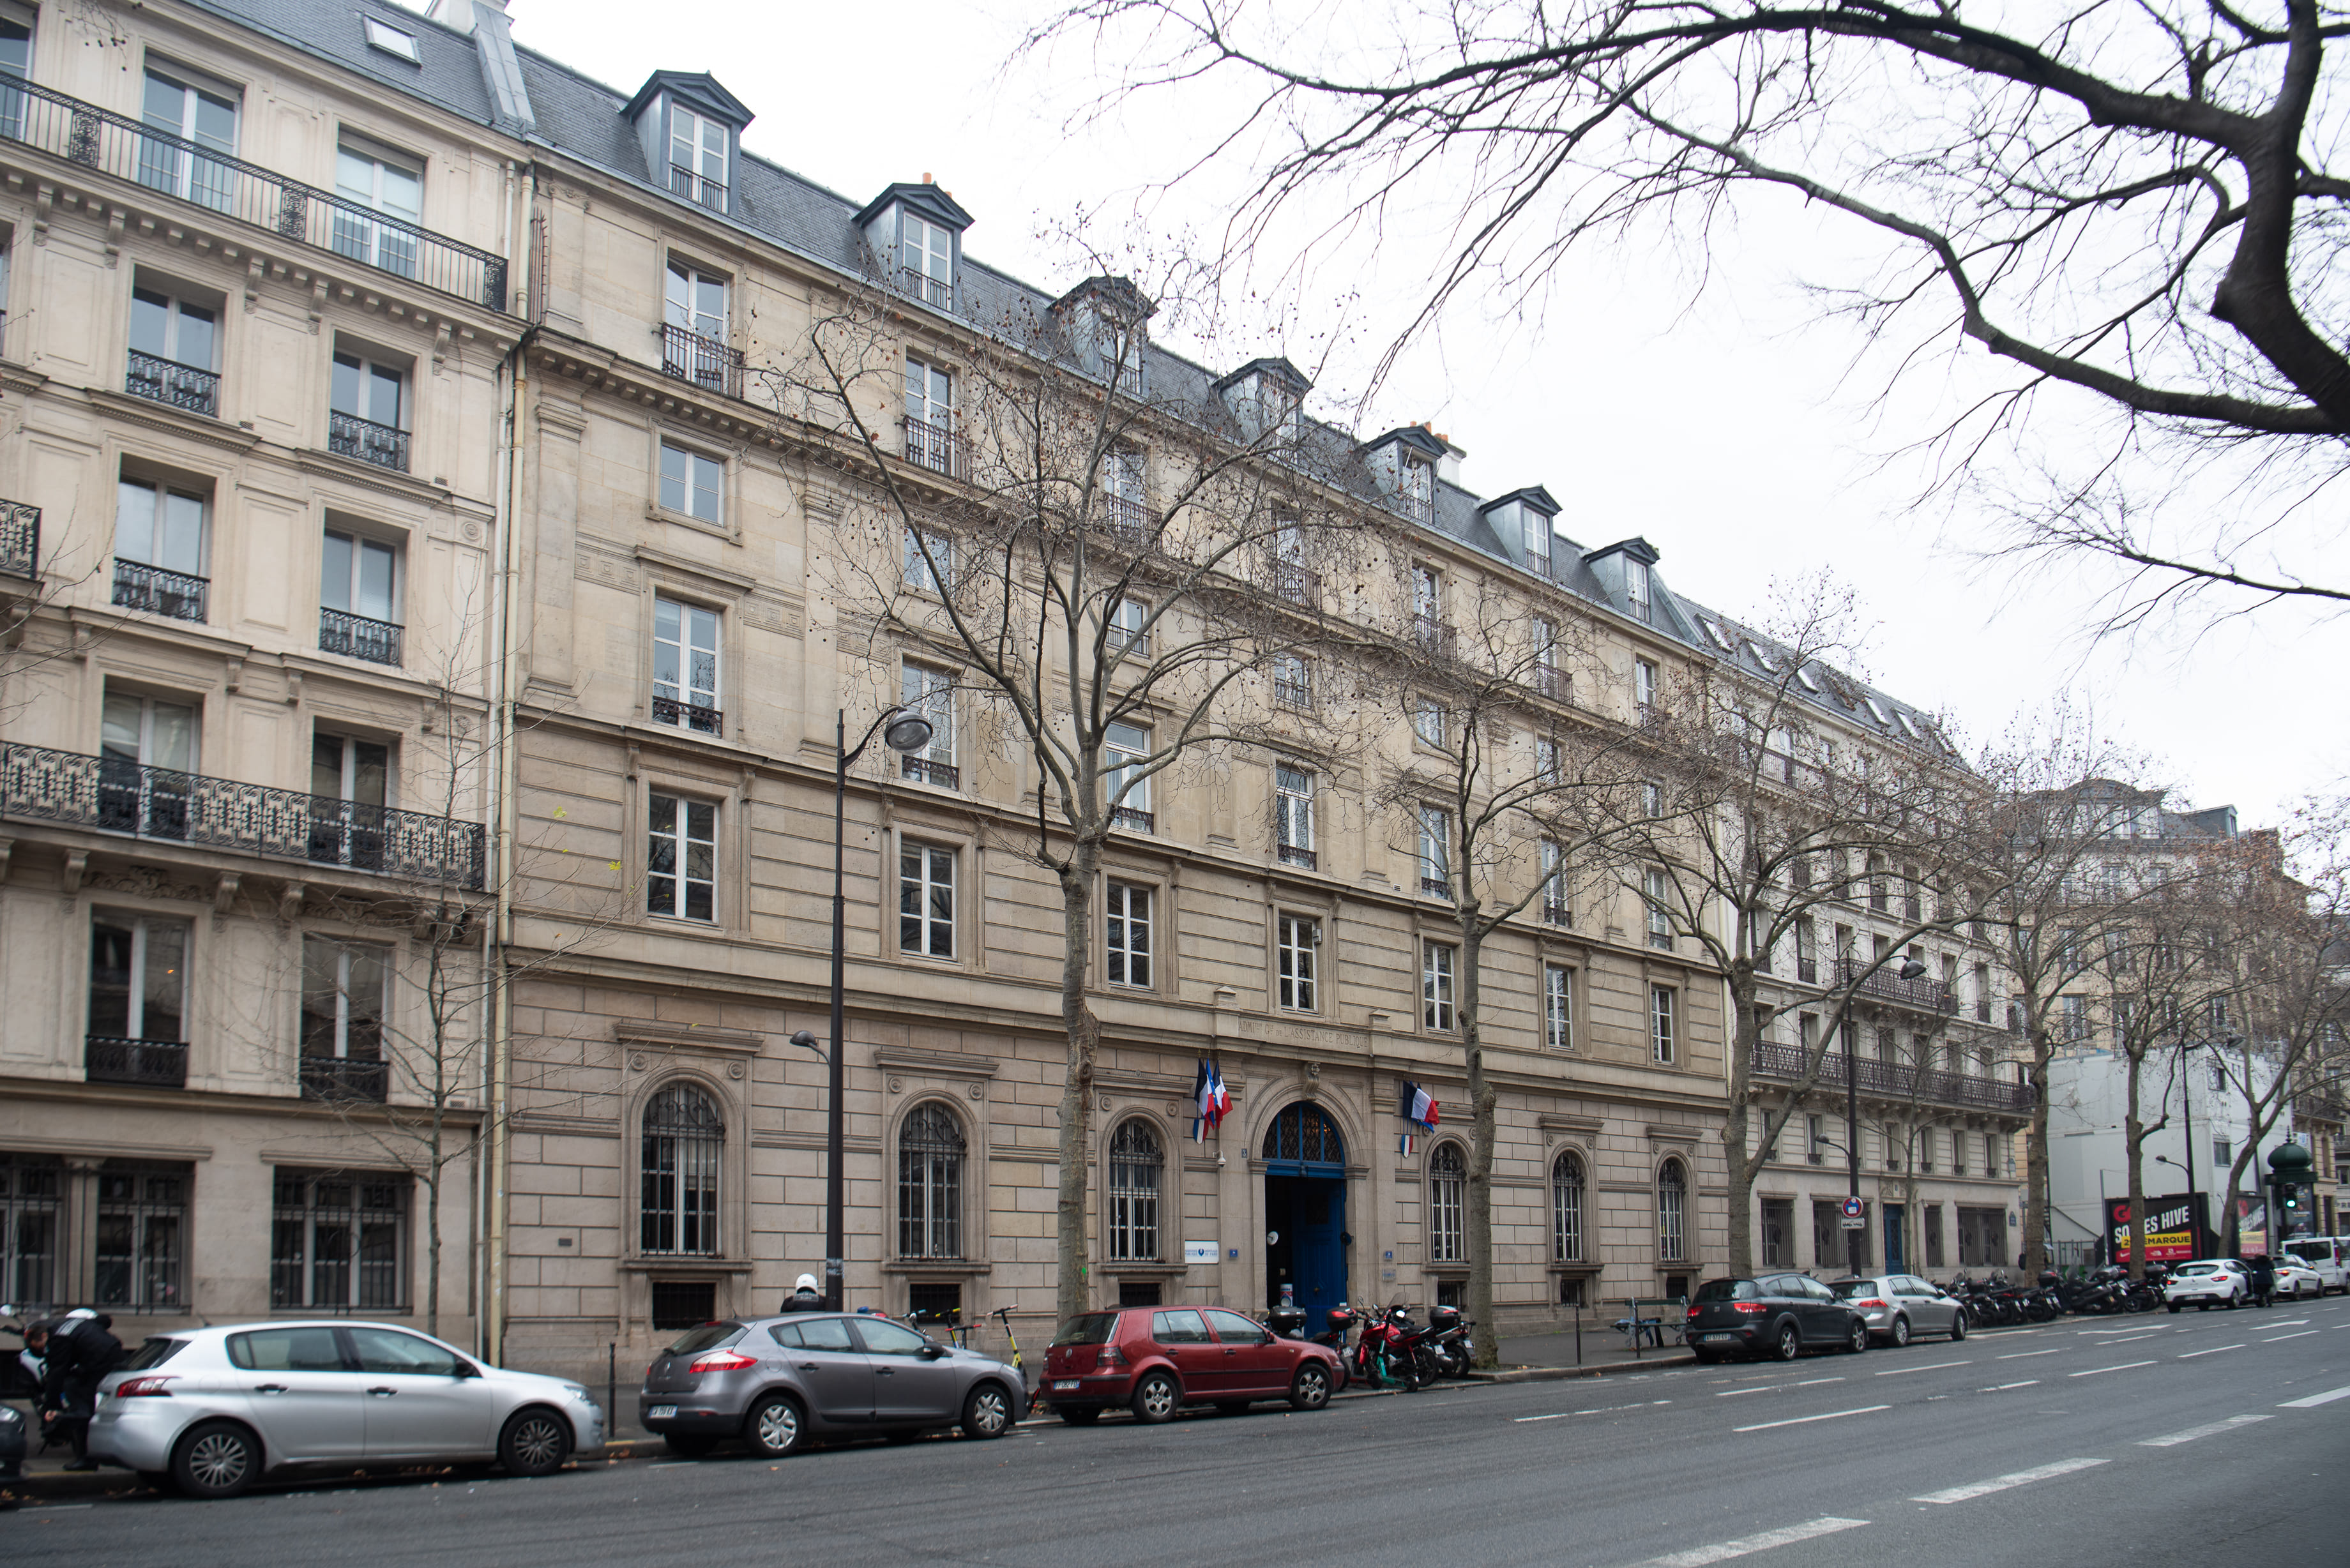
1537,539
697,158
1637,588
926,260
1416,487
1265,397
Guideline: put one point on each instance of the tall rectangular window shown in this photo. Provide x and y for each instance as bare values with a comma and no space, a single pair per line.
1558,1007
1293,815
1662,1037
1446,1181
693,329
1435,852
159,550
1301,942
339,1240
350,787
685,665
1536,537
926,259
682,858
1816,1141
385,184
1548,767
926,911
138,977
929,417
930,693
1557,908
1126,937
1436,985
697,158
1658,898
1550,676
929,561
1644,689
346,988
1126,634
1293,682
1428,722
358,597
139,1249
146,746
189,122
692,484
1427,596
1637,589
1125,788
366,409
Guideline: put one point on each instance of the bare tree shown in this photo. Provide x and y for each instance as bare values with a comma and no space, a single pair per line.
1123,577
2133,205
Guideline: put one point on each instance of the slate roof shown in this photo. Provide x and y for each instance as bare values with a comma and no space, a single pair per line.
585,118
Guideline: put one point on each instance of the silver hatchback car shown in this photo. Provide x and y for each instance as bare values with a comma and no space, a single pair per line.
209,1409
777,1383
1898,1306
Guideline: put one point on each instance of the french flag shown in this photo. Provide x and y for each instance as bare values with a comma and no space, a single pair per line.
1417,1106
1208,1096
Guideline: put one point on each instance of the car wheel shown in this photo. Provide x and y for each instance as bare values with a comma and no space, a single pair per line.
1856,1338
1958,1325
688,1445
774,1426
215,1460
1310,1389
1899,1337
535,1442
2233,1302
1789,1345
1078,1415
987,1411
1156,1398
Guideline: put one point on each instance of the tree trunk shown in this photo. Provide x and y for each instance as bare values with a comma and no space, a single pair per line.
1477,1220
1743,1168
2036,1161
2133,1136
1074,1292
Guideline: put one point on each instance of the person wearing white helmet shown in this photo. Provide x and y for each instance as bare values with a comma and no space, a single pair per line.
805,1296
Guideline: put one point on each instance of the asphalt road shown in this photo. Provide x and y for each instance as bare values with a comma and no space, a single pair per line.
2148,1441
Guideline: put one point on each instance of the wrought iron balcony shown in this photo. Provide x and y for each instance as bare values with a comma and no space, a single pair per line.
1131,521
1293,693
922,770
139,587
1896,1080
344,1079
693,187
347,435
936,291
357,637
113,1059
1436,887
1433,636
83,133
162,380
113,795
20,539
1551,682
1127,816
689,716
1557,914
1807,971
1883,984
1292,854
1420,509
705,361
1298,584
936,448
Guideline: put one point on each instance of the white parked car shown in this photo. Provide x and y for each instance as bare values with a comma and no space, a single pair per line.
2206,1283
209,1410
2297,1278
2328,1256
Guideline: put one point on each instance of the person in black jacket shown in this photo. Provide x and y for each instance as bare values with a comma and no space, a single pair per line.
2264,1274
81,1353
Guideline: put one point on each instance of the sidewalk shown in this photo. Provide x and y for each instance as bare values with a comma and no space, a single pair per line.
1536,1357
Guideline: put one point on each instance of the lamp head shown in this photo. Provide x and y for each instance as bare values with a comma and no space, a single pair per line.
1912,969
906,733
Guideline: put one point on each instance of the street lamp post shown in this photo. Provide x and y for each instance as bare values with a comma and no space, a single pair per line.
906,733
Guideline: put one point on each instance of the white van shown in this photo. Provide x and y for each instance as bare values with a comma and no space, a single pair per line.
2329,1256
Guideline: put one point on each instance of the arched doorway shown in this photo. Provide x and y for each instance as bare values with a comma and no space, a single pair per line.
1305,1209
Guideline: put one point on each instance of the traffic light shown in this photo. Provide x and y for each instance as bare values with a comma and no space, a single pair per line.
2288,1198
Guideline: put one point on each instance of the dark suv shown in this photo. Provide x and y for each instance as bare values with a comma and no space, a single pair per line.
1773,1314
1156,1360
776,1382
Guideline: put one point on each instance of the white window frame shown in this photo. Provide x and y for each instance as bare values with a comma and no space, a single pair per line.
1654,897
694,131
1128,618
1292,808
678,812
1125,748
1439,965
393,244
933,874
1293,682
1569,1185
919,575
697,466
1297,961
926,257
1126,945
1556,907
343,952
690,696
1431,726
1435,851
1644,687
929,690
392,40
1673,1212
682,283
1558,1007
1664,1031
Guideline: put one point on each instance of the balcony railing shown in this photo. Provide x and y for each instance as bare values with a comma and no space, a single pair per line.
1551,682
347,435
1436,887
936,448
1557,914
162,380
111,1059
705,361
689,716
83,133
1292,854
922,770
1884,985
1293,693
345,1078
1296,584
357,637
113,795
139,587
1896,1080
1420,509
915,284
693,187
1129,816
1131,521
1432,635
20,539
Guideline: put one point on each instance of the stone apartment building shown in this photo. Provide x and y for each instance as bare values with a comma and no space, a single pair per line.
255,317
508,355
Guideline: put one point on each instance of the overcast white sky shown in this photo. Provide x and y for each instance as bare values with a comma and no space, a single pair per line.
1727,434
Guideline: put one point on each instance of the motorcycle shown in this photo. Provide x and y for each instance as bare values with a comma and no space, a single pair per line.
1380,1357
1448,1335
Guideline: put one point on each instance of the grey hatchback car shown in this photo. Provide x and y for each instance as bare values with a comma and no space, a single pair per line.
1901,1306
777,1382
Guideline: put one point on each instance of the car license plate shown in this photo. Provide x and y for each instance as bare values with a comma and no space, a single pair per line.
661,1413
1065,1385
1716,1338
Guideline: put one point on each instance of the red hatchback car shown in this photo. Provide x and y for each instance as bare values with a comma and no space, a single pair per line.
1156,1360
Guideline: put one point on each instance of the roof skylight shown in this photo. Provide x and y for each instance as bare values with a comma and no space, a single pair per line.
392,40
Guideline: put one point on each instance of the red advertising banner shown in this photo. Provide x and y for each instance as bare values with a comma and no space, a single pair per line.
2171,1232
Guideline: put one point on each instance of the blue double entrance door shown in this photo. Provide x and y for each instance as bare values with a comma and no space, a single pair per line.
1305,1211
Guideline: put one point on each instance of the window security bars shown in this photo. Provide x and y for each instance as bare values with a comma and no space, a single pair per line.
113,795
30,1189
140,1244
930,1184
357,637
139,587
1134,1166
1566,1210
677,1200
347,435
83,133
338,1242
1446,1180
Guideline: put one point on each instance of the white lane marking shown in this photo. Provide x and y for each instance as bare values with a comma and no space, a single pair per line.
1930,1366
2020,1354
2279,1339
673,1464
1560,1415
2018,1477
1814,1382
60,1507
1799,1421
2188,1436
2125,1367
2289,1323
2314,1400
1723,1552
1602,1410
2128,1338
2003,1387
2192,1354
1734,1393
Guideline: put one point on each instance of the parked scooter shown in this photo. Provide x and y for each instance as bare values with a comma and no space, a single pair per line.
1380,1356
1449,1336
